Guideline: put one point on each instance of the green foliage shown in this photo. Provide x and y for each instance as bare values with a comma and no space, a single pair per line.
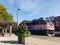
4,15
23,31
27,34
14,25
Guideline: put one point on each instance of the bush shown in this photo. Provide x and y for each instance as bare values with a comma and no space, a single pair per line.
27,34
23,31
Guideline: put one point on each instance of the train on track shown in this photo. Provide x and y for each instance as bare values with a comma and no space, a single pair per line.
44,26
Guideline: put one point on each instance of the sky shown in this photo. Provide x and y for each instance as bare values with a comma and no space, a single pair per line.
32,9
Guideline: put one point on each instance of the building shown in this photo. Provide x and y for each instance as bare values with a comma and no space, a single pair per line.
4,26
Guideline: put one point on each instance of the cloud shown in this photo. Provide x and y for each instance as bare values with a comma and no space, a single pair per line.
29,5
33,6
1,1
38,11
32,14
53,8
9,1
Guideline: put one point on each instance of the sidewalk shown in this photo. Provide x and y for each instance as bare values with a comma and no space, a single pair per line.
12,40
9,40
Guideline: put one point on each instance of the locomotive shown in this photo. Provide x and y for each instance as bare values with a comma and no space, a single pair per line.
41,26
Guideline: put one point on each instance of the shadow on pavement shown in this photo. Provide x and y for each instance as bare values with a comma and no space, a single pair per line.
57,35
11,42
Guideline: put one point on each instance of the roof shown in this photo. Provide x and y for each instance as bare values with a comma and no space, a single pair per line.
5,22
25,21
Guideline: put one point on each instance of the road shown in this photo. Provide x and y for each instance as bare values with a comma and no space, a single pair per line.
54,39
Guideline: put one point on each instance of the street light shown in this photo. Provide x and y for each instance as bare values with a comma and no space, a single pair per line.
17,17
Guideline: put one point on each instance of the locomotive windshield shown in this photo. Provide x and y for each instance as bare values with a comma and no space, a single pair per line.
48,21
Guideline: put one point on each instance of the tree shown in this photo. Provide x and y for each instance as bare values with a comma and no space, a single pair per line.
4,15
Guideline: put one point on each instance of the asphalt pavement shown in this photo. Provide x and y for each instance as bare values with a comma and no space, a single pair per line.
32,40
44,37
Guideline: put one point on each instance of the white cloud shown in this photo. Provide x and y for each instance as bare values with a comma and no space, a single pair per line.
34,6
49,7
32,14
9,1
38,11
29,5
